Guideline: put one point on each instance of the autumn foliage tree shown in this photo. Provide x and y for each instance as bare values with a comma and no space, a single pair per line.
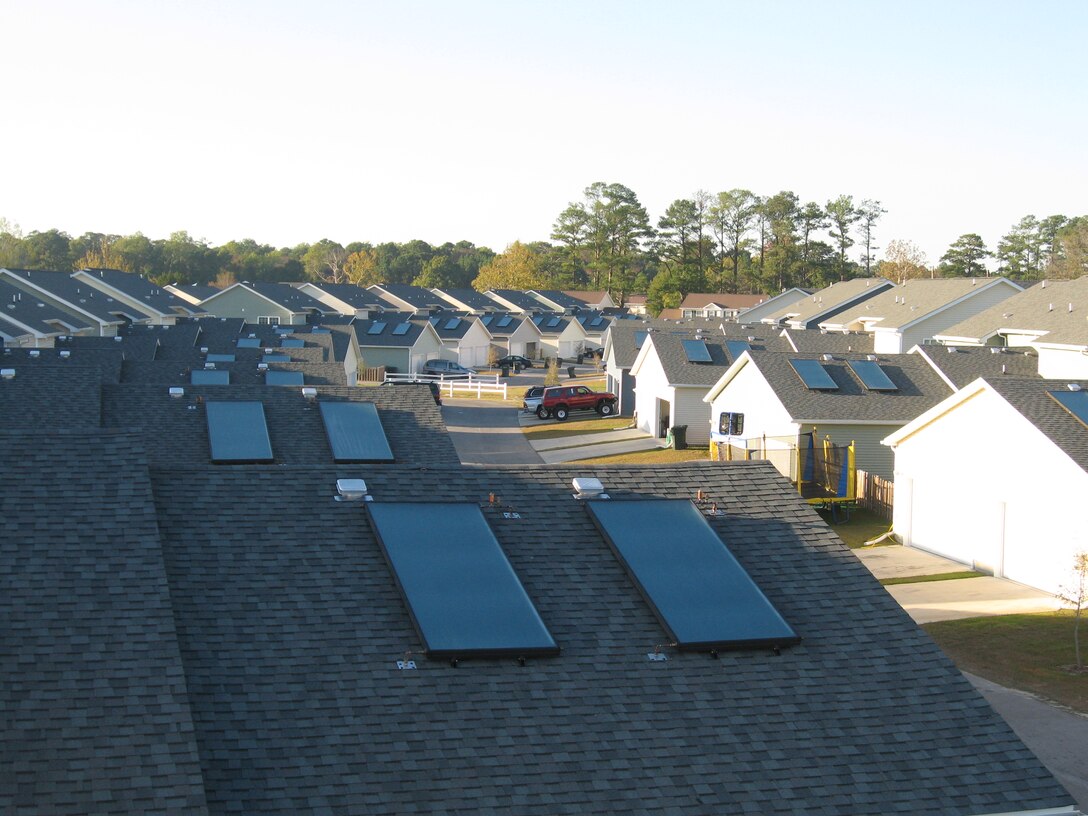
517,268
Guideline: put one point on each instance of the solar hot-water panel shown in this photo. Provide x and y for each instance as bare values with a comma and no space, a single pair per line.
284,378
203,376
463,595
698,590
237,432
737,347
696,351
1075,402
814,375
872,376
355,432
401,329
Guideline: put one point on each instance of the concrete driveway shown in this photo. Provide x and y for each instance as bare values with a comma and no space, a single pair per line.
487,433
950,600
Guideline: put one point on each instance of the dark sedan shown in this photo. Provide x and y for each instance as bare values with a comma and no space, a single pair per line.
512,360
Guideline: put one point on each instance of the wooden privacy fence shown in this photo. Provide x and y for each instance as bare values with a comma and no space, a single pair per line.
372,374
876,494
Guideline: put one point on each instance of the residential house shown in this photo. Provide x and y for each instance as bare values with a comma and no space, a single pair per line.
821,306
83,303
914,312
780,397
595,324
591,299
557,301
560,336
1050,316
960,365
673,372
995,476
772,305
402,346
464,338
711,304
345,298
153,304
195,293
468,300
405,297
514,300
26,320
822,341
262,303
513,333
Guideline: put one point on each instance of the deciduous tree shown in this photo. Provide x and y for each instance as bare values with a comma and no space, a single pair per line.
517,268
903,261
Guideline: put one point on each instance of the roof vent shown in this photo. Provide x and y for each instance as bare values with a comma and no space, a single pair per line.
351,489
1070,386
995,350
118,338
268,349
586,487
35,353
1004,369
177,393
203,349
262,366
827,358
9,373
209,365
751,338
872,358
309,393
65,354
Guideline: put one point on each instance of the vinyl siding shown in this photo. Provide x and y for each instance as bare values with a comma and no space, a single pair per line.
937,323
1061,364
242,303
870,455
689,409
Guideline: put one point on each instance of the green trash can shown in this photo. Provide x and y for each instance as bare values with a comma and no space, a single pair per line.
679,434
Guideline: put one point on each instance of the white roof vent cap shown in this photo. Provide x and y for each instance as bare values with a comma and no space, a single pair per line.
65,354
203,349
350,489
117,338
209,365
262,366
309,393
586,487
827,358
871,358
7,373
177,393
1071,386
35,353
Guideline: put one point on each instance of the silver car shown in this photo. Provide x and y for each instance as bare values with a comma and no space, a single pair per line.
533,396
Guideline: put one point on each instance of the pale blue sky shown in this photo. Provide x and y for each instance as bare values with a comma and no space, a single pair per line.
290,122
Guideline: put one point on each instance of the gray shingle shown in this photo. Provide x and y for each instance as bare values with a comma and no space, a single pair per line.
964,364
1032,399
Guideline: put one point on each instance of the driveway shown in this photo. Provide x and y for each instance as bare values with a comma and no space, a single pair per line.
487,433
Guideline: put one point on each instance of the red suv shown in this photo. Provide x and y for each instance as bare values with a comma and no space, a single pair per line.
560,400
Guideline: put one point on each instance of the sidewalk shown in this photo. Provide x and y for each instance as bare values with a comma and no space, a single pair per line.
589,445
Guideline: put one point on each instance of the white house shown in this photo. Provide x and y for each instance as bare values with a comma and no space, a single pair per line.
914,312
513,334
855,398
560,336
345,298
464,339
673,372
996,476
720,305
810,312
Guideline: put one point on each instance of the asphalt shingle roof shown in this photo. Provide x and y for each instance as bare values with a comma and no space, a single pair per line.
477,301
96,709
836,296
289,641
41,396
107,361
674,359
1031,397
623,334
420,298
964,364
33,312
919,388
1043,308
175,431
387,337
287,296
522,300
814,341
356,296
83,296
242,371
144,291
560,299
491,323
912,300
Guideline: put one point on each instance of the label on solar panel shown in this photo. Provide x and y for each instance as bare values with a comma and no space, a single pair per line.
814,375
872,376
699,591
463,595
237,432
284,378
203,376
1075,402
355,432
696,351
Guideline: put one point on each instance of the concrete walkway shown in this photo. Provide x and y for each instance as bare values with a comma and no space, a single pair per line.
588,445
950,600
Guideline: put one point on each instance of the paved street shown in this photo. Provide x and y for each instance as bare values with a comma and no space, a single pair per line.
487,433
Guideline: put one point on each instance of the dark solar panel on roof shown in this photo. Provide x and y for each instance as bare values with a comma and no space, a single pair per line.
872,376
453,323
464,598
237,432
737,347
553,322
284,378
813,375
1075,402
696,351
699,591
204,376
220,358
401,328
355,432
505,321
292,342
486,319
275,358
249,342
376,327
640,338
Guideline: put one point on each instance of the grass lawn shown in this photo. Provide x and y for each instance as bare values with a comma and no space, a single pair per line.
663,456
863,525
1027,652
925,579
580,427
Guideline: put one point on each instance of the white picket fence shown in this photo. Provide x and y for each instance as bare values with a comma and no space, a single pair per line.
450,385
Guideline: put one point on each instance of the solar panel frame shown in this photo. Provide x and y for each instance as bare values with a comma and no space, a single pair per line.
355,433
553,323
696,351
237,432
814,375
462,594
871,375
1075,402
697,589
505,321
204,376
295,378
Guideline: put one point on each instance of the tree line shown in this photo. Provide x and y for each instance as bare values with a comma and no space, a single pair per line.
735,241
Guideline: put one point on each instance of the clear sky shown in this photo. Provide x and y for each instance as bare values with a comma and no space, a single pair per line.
387,121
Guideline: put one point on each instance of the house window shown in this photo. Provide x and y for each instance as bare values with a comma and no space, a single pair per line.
264,320
730,424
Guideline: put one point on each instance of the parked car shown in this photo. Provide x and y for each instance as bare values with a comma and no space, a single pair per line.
559,401
514,360
531,401
435,392
447,368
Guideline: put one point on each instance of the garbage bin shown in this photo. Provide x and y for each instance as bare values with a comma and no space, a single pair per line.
581,357
517,368
679,436
506,371
570,372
